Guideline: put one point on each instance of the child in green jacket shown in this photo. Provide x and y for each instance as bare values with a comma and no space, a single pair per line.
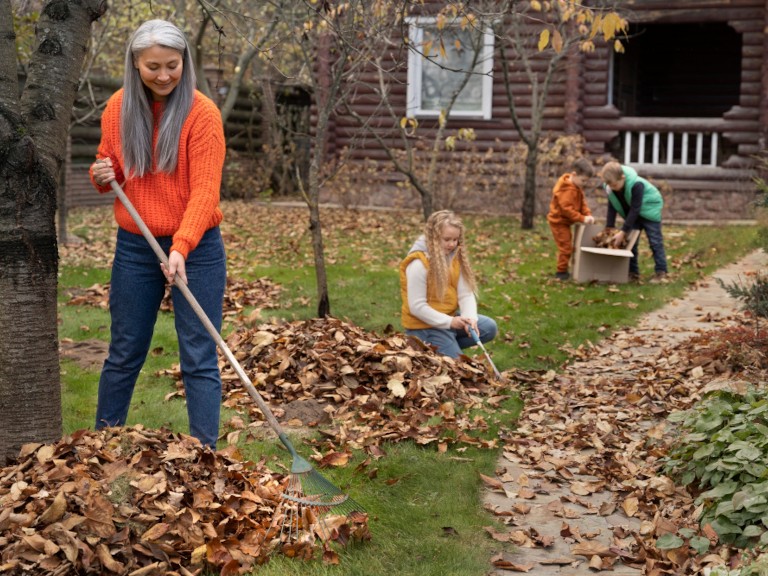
640,204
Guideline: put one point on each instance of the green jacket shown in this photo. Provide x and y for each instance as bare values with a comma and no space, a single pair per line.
652,200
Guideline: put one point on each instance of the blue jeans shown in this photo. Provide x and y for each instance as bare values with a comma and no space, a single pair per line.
451,342
137,289
655,241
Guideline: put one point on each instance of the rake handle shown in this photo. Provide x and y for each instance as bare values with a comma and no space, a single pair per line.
184,289
476,337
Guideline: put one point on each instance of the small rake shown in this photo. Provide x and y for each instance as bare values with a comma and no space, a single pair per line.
309,495
476,338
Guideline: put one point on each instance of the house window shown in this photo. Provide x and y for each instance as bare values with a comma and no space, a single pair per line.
438,62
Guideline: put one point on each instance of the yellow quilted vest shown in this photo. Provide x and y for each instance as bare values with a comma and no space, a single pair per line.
447,305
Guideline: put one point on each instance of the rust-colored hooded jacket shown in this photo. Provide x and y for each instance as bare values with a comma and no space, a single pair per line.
568,205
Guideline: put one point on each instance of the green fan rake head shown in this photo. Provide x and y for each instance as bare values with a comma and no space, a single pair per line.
312,503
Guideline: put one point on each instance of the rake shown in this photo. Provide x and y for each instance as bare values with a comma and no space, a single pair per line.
476,338
309,495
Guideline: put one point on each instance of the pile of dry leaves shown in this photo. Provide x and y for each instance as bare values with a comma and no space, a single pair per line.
140,502
604,239
360,389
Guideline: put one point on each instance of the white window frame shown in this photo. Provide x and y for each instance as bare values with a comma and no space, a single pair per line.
416,70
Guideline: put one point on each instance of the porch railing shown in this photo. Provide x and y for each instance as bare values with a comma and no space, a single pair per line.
671,141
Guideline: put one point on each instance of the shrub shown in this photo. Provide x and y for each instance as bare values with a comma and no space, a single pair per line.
722,455
754,296
761,183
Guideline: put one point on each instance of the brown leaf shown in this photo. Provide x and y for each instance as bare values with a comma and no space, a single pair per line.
334,459
105,557
492,483
498,561
155,532
55,511
630,506
590,549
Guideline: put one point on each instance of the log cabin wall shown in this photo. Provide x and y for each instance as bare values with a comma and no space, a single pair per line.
579,104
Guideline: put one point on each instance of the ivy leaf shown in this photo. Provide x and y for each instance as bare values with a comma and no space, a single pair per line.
752,531
749,453
669,542
705,451
700,544
724,489
723,526
748,501
710,422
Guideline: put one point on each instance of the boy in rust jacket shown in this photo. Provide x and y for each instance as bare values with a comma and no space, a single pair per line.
568,207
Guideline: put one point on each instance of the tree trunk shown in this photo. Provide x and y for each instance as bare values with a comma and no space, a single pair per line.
311,196
33,133
61,197
427,206
529,191
324,103
315,228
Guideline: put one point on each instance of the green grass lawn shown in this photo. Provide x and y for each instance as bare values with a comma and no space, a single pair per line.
426,514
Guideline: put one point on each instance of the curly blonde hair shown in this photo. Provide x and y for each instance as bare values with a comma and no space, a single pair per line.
439,270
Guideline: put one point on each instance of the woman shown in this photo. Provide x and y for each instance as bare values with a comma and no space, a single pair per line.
437,287
163,142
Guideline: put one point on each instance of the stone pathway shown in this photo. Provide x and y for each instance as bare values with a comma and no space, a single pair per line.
702,308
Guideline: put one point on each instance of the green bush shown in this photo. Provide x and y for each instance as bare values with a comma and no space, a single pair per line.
761,182
722,455
754,296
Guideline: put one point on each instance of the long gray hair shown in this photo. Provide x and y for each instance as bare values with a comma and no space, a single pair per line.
136,114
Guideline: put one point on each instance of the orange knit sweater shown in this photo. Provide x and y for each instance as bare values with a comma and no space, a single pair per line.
185,203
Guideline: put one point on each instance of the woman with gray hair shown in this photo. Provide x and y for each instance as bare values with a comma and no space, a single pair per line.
163,142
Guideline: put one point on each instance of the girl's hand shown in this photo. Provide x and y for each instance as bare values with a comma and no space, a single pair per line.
463,323
176,266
